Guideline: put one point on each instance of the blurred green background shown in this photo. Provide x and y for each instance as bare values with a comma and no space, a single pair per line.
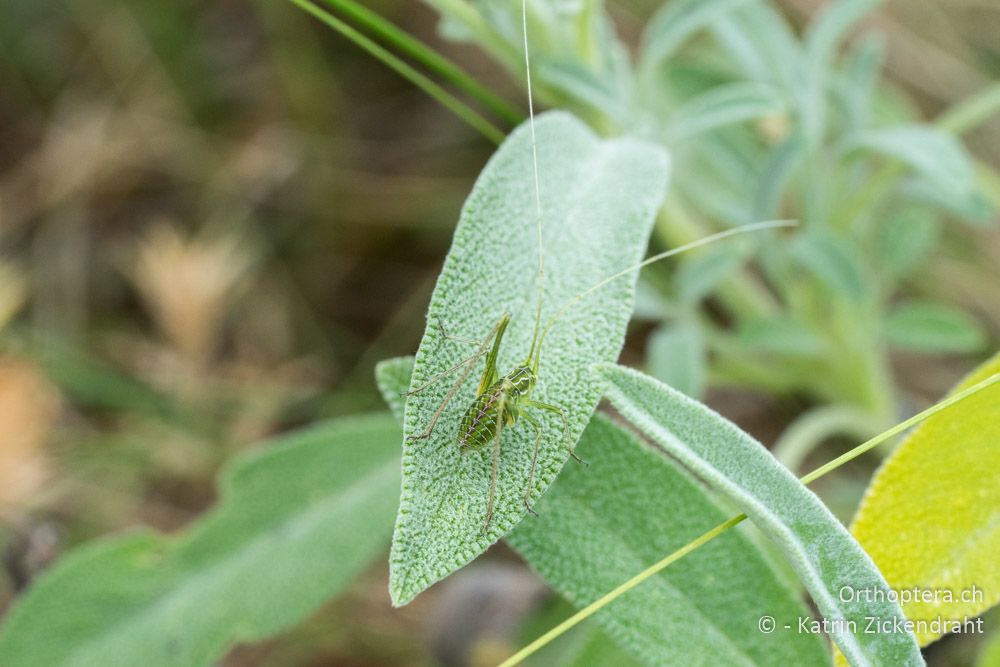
216,216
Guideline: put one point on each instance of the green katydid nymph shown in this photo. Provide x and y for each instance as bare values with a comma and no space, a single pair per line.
501,400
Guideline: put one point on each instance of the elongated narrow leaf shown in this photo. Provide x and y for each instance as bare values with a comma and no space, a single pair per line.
296,522
822,552
834,261
593,532
931,516
936,155
595,648
598,199
583,84
699,277
826,32
677,21
905,239
677,356
722,106
933,327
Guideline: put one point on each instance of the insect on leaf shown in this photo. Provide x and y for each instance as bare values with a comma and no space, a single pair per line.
598,200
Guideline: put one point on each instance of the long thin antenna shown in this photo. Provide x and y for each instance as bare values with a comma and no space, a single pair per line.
538,189
745,229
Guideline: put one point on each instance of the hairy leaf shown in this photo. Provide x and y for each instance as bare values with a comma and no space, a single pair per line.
825,33
296,522
677,356
675,22
722,106
834,261
702,275
593,532
933,327
931,516
936,155
822,552
599,198
904,240
781,335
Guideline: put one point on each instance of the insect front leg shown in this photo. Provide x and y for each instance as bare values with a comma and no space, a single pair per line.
447,399
562,414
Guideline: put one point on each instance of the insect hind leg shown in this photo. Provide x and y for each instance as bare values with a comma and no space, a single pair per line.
534,460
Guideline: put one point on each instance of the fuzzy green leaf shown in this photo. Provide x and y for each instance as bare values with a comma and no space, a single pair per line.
599,198
822,552
700,276
933,327
826,32
905,239
675,22
583,84
779,334
677,357
934,154
931,517
594,532
722,106
834,261
296,522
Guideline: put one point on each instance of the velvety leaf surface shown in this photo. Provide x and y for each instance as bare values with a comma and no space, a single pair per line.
599,198
931,516
933,327
931,152
296,522
675,22
822,552
601,524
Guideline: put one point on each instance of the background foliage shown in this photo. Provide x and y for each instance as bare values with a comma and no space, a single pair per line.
215,218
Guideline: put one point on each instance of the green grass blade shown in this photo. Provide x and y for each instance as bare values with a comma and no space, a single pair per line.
449,101
582,548
426,56
592,533
816,544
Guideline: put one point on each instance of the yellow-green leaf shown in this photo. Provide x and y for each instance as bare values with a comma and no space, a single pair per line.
931,517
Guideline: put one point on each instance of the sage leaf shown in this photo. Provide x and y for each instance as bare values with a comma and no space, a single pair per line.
296,523
819,548
598,199
933,153
722,106
593,532
933,327
930,518
675,22
677,356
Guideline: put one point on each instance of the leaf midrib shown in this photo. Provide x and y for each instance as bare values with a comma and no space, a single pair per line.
233,561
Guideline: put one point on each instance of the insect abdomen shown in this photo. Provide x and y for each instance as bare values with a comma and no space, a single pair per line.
479,425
